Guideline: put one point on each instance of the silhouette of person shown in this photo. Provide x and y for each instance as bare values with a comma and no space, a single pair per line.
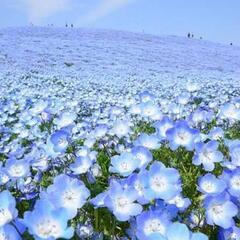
189,35
72,25
66,25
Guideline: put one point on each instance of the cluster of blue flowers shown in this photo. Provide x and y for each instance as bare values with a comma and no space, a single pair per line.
146,171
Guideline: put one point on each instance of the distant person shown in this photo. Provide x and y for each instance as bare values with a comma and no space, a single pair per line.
71,25
192,35
189,35
231,43
201,38
66,25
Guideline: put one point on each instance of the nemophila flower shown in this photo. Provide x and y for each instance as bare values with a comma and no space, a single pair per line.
180,231
140,183
143,155
121,128
17,168
216,133
182,135
152,225
122,201
164,182
124,164
66,192
46,222
169,210
180,202
149,110
65,119
148,141
233,182
8,209
220,210
59,140
209,184
81,165
207,154
162,126
229,111
234,150
232,233
8,232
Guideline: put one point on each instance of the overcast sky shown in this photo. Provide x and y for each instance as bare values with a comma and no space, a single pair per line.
216,20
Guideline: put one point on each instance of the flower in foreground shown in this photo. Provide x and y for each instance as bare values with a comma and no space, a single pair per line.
220,210
124,164
69,193
45,222
182,135
122,201
8,209
164,182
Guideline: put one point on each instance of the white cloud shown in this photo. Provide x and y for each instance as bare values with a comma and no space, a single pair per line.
104,8
39,9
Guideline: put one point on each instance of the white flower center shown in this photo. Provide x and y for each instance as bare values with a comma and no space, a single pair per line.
235,182
217,210
158,183
16,171
122,204
48,228
208,187
153,226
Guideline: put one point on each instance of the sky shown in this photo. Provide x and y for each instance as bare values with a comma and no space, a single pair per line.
214,20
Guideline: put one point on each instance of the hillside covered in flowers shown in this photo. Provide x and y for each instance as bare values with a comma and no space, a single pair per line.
118,135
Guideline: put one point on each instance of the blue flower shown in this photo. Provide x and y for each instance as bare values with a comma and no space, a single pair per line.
45,222
124,164
234,150
180,202
9,232
209,184
81,165
66,192
148,141
220,210
182,135
164,182
207,154
152,225
233,181
143,155
65,119
8,209
121,201
121,128
17,168
60,141
140,183
163,126
178,231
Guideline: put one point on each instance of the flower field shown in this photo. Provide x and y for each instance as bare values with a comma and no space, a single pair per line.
120,162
